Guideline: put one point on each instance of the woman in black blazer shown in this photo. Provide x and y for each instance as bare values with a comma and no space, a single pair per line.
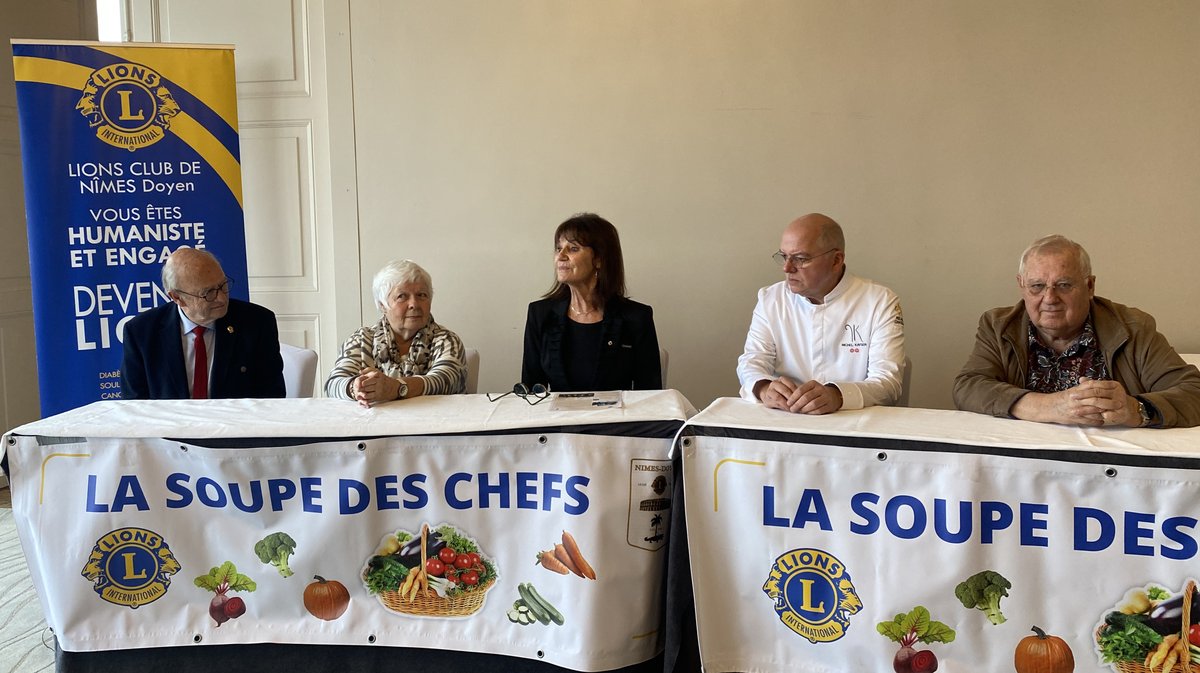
585,333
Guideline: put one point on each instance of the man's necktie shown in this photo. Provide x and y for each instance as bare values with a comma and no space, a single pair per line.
200,378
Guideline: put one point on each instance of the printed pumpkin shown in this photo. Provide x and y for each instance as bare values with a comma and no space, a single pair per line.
1042,653
326,599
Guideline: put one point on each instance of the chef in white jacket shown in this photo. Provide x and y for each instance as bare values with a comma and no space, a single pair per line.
822,339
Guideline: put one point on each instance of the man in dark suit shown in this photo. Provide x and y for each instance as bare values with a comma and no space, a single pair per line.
203,344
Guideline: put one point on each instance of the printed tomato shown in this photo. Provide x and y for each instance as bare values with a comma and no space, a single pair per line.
462,562
470,577
447,555
475,560
435,567
1194,634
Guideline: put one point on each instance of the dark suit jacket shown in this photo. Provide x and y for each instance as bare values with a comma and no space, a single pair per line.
628,359
246,355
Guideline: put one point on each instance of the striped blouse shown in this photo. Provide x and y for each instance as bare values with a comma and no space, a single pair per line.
436,355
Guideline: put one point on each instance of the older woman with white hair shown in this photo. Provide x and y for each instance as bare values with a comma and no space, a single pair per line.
406,354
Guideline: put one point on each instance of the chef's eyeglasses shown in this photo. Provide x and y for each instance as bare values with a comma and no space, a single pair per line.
537,391
799,261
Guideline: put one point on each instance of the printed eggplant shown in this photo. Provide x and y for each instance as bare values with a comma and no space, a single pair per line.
1167,616
410,553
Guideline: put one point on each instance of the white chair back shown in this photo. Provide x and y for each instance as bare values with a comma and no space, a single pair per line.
905,383
299,370
1191,358
664,359
472,357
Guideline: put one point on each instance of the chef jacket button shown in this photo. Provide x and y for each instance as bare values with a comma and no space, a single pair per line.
243,370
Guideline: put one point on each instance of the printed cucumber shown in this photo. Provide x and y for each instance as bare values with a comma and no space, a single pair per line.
535,608
543,604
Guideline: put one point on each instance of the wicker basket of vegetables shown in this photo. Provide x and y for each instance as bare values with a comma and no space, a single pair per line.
434,573
1152,631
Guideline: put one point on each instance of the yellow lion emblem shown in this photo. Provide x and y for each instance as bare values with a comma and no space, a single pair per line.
813,594
130,567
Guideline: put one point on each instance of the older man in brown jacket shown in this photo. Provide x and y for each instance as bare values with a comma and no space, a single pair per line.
1064,355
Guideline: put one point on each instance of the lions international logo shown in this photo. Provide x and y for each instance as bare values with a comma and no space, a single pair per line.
130,567
128,105
813,594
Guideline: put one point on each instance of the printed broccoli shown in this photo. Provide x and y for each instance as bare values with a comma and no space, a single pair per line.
275,549
983,591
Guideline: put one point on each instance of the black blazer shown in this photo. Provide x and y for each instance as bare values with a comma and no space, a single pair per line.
628,360
246,351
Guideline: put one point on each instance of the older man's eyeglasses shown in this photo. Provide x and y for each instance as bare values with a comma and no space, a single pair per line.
799,261
211,294
1061,287
537,392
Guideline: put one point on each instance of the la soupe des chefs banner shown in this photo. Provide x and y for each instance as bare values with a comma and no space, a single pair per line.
128,153
550,550
915,557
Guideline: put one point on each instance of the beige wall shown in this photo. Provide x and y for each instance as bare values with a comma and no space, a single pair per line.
944,136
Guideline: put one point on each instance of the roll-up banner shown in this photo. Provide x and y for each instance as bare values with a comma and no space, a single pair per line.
129,153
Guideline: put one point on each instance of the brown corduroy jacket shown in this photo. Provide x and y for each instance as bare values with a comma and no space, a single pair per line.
1137,355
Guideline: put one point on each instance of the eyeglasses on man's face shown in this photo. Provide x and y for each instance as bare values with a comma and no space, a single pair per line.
537,391
798,261
211,294
1062,287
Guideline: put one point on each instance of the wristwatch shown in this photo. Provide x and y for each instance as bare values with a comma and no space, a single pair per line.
1144,412
403,392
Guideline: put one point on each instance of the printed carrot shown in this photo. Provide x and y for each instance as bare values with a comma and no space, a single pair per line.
549,562
560,553
577,556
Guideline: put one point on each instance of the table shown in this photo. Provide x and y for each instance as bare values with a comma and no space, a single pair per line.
815,542
134,514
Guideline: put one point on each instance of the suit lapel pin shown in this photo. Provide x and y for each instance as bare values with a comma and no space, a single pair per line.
229,329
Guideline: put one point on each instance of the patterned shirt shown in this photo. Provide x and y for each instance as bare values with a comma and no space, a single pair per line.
435,354
1050,372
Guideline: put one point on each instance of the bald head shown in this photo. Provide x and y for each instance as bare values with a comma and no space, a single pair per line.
819,228
813,250
188,275
183,262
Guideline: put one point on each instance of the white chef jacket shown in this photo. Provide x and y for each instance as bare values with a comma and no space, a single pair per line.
854,340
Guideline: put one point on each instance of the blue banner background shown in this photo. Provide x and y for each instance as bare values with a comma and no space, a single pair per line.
102,218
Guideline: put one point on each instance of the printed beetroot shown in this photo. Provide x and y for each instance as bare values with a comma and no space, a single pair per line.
235,607
924,661
216,609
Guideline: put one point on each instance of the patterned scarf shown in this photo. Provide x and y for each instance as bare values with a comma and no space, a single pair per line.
387,352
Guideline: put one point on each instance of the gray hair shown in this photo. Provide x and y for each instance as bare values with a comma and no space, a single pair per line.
398,273
182,256
1057,244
